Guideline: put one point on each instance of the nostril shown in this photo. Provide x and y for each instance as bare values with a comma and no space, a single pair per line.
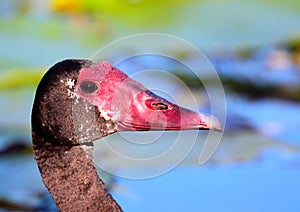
159,106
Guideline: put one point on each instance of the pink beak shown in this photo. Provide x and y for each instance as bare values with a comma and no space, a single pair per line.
132,107
151,112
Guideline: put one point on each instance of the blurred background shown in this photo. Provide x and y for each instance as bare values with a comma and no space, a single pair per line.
255,48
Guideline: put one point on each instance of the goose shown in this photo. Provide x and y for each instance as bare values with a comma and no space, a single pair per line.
78,102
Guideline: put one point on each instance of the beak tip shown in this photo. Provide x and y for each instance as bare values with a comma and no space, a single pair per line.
217,128
212,123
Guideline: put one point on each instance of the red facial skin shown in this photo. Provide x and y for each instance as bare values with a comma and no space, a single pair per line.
133,107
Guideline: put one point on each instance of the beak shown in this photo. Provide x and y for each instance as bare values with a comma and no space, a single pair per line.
148,111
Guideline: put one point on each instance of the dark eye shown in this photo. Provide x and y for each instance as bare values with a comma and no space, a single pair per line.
159,106
88,87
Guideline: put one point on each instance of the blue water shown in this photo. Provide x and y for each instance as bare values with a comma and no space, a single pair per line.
247,187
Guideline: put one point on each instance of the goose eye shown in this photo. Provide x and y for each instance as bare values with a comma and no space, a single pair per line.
88,87
159,106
